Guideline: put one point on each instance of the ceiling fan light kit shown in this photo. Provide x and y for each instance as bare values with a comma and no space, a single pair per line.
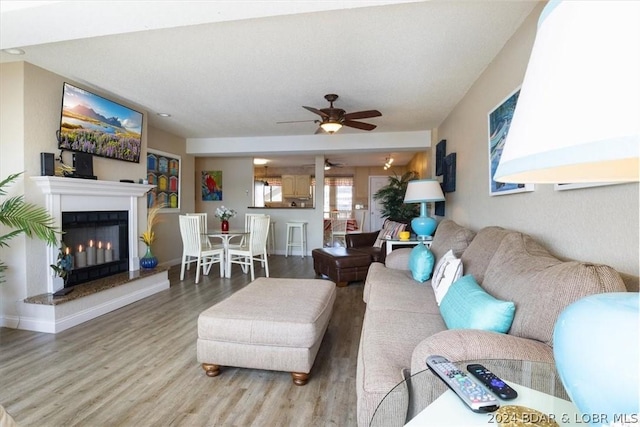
333,119
331,127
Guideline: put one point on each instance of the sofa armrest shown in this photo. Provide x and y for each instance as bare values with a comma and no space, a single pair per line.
472,344
355,240
398,259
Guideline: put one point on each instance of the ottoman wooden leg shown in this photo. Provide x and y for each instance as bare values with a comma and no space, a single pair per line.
299,378
211,370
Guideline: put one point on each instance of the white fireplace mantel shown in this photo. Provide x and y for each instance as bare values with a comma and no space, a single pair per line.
76,195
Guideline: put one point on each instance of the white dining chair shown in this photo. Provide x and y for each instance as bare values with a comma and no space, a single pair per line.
338,231
195,250
247,228
203,226
254,249
361,218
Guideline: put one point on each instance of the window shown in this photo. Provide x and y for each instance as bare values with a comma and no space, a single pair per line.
338,194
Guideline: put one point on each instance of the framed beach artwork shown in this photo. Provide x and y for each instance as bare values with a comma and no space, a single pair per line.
211,186
499,122
164,171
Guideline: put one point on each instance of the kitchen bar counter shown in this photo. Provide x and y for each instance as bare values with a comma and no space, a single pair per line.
280,207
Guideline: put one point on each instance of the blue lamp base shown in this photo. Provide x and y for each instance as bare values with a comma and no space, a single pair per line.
424,226
596,349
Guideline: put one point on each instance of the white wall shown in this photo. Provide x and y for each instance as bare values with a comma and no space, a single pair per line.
168,248
30,115
237,189
595,224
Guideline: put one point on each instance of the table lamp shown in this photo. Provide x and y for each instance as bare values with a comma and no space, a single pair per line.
423,191
578,120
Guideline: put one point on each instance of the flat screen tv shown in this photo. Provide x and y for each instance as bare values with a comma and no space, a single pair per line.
92,124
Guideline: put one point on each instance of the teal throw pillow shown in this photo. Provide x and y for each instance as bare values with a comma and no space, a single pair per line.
467,306
421,262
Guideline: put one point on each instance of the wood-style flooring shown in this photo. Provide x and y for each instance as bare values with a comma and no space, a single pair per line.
137,366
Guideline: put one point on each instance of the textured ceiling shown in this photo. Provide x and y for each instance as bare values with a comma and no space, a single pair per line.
240,74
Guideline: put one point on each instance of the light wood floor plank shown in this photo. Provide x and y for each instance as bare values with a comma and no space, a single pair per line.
137,366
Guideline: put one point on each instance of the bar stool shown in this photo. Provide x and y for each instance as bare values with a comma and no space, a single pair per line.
271,238
302,244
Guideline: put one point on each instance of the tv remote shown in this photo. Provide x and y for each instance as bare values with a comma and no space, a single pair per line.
470,391
492,382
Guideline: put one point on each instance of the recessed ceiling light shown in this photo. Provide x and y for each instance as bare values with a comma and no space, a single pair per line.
260,161
14,51
164,114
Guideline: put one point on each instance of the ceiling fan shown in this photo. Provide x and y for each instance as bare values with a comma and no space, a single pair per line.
332,119
327,165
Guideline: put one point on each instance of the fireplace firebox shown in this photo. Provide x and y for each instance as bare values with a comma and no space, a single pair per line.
97,242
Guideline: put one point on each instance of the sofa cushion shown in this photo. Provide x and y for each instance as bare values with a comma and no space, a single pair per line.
447,271
389,289
450,235
421,263
390,229
467,306
477,256
541,285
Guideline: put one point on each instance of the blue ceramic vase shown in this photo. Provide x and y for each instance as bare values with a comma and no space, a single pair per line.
596,348
148,260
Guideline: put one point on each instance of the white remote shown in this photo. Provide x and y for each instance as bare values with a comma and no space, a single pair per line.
470,391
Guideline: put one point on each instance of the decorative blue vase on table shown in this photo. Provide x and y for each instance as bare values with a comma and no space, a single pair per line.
597,352
148,261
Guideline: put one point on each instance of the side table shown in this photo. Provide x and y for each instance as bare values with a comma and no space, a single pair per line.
397,242
429,402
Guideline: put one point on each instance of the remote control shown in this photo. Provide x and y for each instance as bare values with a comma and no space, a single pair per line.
62,292
493,383
470,391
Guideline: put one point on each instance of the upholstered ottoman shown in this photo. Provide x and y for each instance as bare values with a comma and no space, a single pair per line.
342,265
274,324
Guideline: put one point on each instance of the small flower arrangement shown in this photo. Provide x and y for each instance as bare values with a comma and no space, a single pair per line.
64,264
223,214
148,236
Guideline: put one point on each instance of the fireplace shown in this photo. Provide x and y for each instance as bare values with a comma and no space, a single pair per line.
114,219
97,242
68,200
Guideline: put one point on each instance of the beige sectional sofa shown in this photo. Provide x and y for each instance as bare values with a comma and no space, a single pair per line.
403,324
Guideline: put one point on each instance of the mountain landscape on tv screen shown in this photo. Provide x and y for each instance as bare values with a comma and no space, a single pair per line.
83,128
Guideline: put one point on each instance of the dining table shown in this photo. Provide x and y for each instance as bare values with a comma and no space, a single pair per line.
226,236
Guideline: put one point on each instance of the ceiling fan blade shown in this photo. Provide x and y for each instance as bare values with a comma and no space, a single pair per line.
296,121
362,114
316,111
359,125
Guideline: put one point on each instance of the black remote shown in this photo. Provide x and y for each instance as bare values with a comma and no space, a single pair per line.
471,392
492,382
62,292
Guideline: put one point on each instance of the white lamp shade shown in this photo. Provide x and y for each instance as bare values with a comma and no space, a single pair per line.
423,190
331,127
578,113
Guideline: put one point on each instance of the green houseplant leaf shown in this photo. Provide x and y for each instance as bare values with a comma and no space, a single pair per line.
392,198
22,217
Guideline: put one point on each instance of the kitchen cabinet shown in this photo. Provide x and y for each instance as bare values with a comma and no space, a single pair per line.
296,186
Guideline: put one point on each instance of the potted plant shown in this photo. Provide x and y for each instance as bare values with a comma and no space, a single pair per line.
22,217
392,198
